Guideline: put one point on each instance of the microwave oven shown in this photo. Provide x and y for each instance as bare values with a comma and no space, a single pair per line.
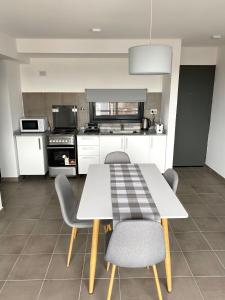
33,124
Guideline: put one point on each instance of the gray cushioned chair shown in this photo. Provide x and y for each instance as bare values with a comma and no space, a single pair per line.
136,244
172,178
117,157
69,206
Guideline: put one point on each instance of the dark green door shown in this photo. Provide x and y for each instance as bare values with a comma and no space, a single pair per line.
193,115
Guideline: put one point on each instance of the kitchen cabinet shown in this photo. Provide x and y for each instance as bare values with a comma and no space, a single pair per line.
158,151
138,148
88,152
110,143
32,154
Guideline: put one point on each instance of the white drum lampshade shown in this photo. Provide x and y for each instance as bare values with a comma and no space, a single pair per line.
150,59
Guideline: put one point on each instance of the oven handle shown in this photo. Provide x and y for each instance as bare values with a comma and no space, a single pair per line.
61,147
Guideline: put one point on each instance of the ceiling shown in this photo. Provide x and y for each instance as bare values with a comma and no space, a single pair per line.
194,20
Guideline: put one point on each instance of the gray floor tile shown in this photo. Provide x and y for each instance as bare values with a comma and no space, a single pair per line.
216,240
183,225
100,291
4,223
59,270
79,245
40,244
100,267
12,244
47,227
218,210
189,199
204,263
191,241
200,189
199,210
31,212
212,288
30,267
209,224
20,290
6,264
212,199
11,213
179,266
221,256
60,289
52,212
20,227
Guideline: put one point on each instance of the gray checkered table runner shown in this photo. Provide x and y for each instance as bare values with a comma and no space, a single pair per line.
130,195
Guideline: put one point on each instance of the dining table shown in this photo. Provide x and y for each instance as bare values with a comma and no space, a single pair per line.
96,205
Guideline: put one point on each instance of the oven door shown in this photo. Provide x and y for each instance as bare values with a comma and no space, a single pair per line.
61,156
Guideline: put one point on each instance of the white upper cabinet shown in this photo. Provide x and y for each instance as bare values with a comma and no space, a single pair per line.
32,154
109,144
138,148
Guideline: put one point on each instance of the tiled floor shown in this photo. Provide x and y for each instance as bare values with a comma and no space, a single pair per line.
34,243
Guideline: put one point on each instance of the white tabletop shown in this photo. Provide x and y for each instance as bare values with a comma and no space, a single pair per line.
96,197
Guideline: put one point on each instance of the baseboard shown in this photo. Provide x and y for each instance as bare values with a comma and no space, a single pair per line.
214,172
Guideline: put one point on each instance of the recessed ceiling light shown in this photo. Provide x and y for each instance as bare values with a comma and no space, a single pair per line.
216,36
96,29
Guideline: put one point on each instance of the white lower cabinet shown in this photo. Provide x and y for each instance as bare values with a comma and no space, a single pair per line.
140,148
110,143
32,154
88,152
158,151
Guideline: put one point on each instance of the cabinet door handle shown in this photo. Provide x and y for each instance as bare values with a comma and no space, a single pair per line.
39,143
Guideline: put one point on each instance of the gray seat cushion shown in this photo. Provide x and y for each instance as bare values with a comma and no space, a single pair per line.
136,244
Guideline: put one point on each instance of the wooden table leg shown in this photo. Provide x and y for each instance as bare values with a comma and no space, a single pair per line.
94,250
168,259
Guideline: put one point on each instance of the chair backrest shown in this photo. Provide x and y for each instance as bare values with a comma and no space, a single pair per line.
136,244
67,201
172,178
117,157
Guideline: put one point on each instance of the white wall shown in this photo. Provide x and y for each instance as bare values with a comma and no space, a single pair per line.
169,102
198,56
10,111
215,157
76,74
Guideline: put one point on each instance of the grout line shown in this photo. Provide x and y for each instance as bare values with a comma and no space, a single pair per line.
39,293
120,292
192,275
84,260
19,254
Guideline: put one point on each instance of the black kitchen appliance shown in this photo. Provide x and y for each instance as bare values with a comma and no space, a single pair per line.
92,128
64,117
62,149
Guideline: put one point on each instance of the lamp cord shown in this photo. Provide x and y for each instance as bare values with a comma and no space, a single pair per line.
151,7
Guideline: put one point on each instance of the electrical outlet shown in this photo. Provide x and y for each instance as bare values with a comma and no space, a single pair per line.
153,111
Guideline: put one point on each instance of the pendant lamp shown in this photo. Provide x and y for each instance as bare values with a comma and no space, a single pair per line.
150,59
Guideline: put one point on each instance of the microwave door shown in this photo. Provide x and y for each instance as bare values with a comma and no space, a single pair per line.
29,124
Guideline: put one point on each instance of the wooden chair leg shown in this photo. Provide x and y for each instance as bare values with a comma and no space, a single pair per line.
157,282
111,282
72,238
108,266
106,228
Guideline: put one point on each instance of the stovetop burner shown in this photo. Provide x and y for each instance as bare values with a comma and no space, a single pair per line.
63,130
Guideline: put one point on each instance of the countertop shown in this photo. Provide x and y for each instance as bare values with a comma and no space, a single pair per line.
142,132
18,132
